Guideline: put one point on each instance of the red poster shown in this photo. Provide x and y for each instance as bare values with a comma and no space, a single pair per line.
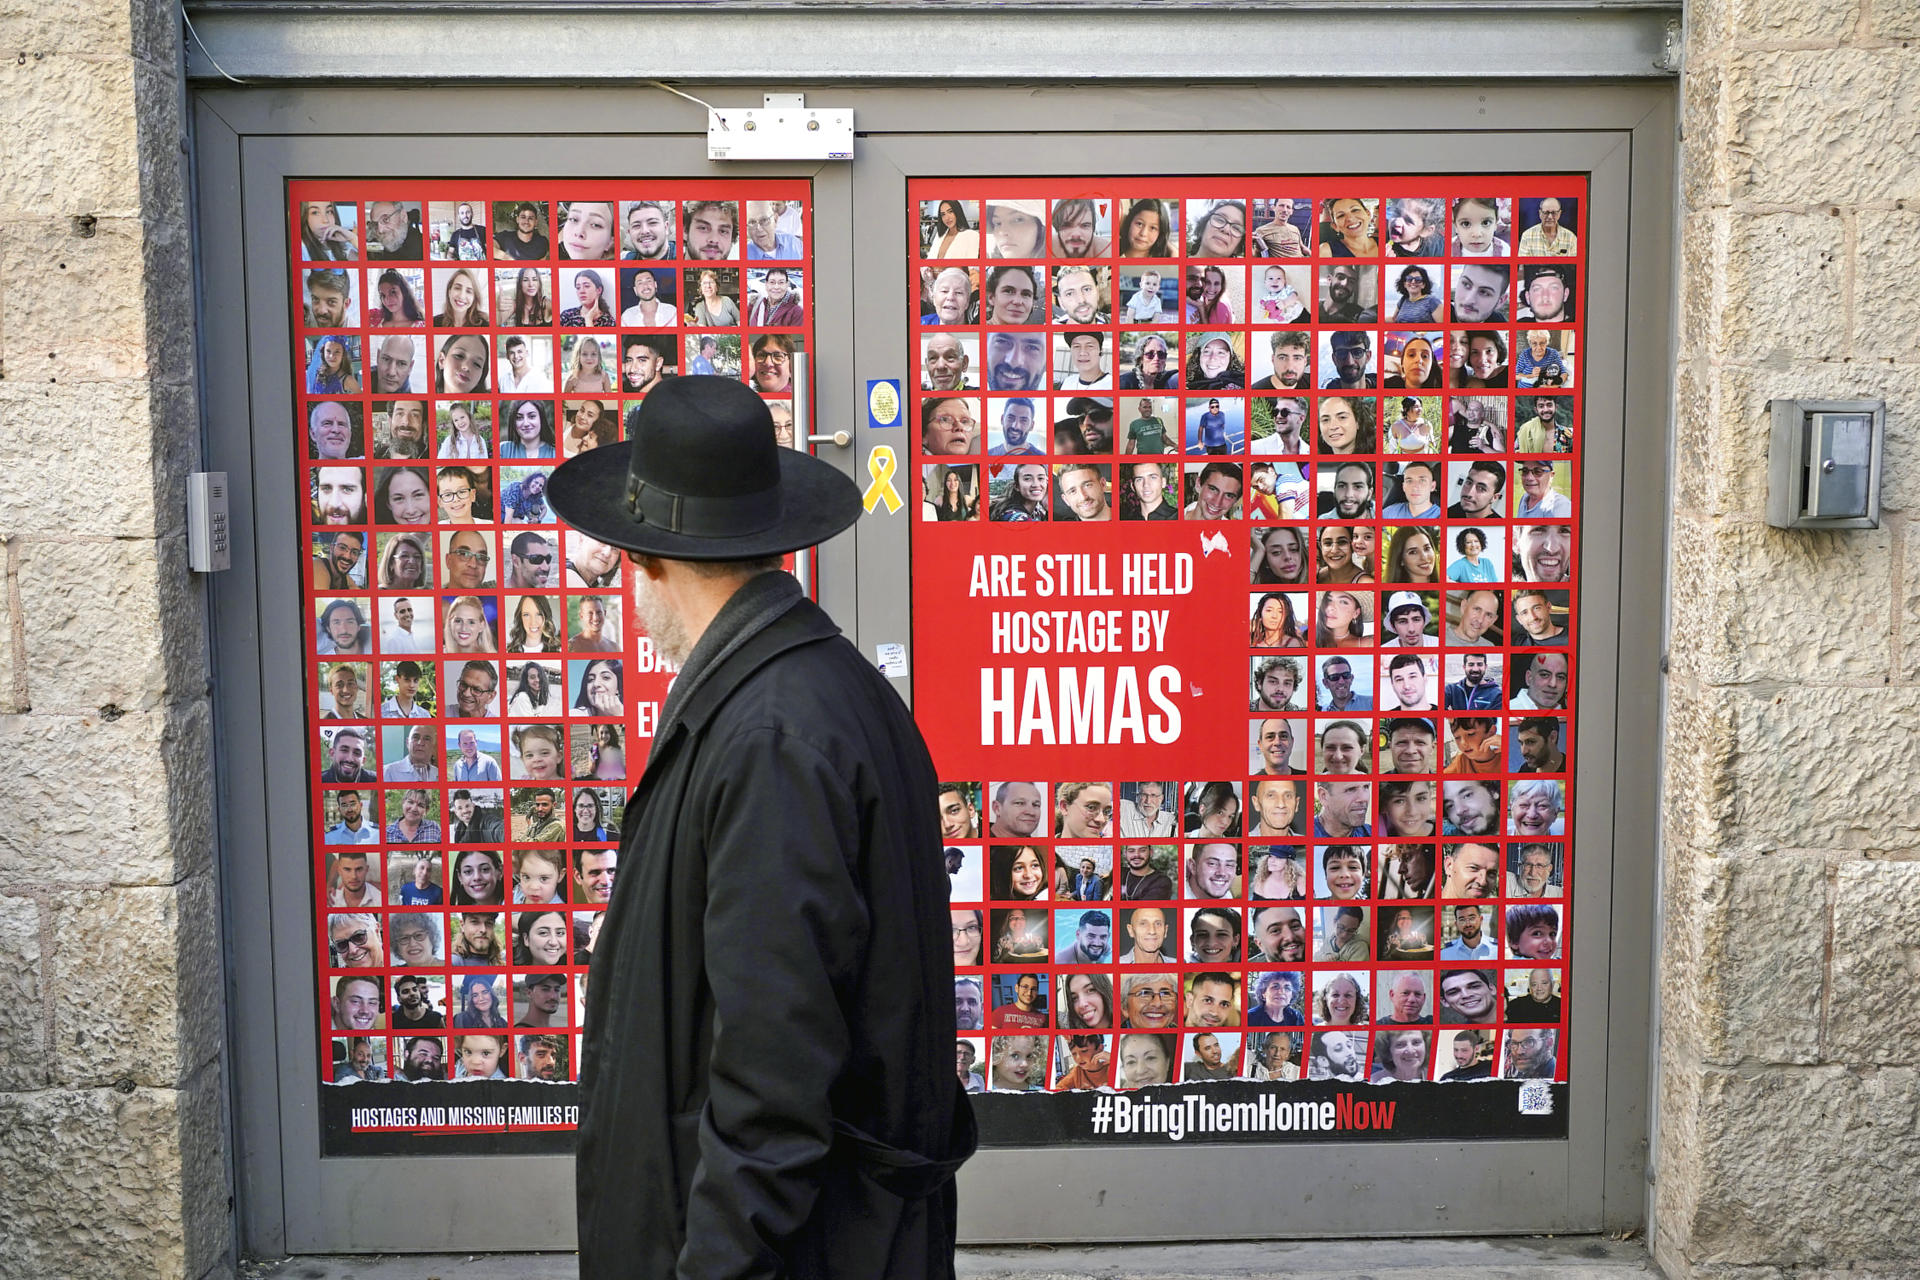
479,697
1245,613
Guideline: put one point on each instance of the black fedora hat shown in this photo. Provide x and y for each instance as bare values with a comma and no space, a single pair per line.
703,479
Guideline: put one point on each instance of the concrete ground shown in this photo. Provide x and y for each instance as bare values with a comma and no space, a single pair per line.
1517,1258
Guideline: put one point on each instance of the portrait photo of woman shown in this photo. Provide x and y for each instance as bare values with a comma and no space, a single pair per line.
467,627
586,367
1399,1055
528,305
587,230
1335,558
1274,624
1412,431
713,307
595,309
528,429
1342,620
461,299
1219,229
399,303
1019,873
1413,554
600,688
1146,231
1280,556
533,629
1145,1059
535,693
1339,1000
952,234
479,1003
477,879
461,364
1347,230
330,365
326,233
540,939
1086,1002
969,942
1276,873
589,821
406,564
1016,228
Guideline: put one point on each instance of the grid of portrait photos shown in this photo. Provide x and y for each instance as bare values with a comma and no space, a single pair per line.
479,700
1370,387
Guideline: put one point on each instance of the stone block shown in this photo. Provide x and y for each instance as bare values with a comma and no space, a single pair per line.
1704,169
1909,671
1676,1186
1705,32
11,700
1896,19
1699,753
153,826
54,477
206,1208
1886,322
1876,962
1690,896
109,622
73,28
1817,20
72,141
1831,125
136,984
93,1184
23,990
1741,422
1696,470
1702,281
1819,769
163,173
85,319
1784,282
1771,1150
1726,640
1746,955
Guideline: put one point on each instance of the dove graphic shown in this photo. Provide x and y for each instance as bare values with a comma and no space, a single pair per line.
1212,542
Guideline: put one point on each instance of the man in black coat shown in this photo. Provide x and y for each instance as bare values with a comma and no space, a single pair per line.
767,1065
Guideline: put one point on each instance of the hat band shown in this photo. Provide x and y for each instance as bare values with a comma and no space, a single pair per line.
703,517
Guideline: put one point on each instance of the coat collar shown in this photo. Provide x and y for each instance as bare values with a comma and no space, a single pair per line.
767,616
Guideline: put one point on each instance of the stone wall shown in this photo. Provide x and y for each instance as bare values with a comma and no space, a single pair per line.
1789,1138
112,1110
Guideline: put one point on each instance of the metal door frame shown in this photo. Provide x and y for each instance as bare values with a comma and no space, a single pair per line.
248,142
1622,137
248,146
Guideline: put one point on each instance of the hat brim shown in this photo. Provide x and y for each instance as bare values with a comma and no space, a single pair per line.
589,492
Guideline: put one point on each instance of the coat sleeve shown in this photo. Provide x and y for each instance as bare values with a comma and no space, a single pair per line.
786,924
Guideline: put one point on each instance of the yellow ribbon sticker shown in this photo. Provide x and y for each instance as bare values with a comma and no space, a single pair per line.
881,466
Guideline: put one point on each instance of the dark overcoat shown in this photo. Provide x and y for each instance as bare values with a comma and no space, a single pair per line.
768,1059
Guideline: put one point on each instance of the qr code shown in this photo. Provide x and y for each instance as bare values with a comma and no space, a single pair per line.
1536,1098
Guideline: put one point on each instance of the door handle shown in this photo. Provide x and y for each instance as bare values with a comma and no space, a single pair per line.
803,408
